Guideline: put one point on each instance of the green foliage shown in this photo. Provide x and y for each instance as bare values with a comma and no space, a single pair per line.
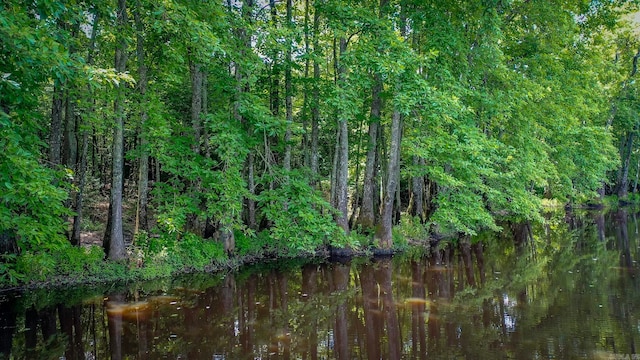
412,230
38,266
301,219
193,252
8,273
30,203
199,186
165,255
356,240
503,104
514,114
78,261
151,258
400,241
62,264
251,245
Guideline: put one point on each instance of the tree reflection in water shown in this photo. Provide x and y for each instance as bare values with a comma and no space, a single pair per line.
566,289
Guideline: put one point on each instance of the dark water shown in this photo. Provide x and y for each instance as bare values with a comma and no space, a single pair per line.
571,292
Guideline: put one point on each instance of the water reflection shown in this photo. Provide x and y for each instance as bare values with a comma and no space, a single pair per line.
563,290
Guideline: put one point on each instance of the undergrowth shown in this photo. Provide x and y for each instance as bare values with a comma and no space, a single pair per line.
165,255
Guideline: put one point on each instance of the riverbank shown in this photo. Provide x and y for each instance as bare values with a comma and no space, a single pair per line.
155,257
81,266
451,302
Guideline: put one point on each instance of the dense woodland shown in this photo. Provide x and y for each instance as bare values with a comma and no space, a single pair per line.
225,127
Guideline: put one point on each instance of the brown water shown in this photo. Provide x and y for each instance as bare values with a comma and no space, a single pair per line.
570,293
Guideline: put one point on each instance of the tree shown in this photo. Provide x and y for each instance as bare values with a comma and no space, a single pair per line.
116,248
142,221
243,127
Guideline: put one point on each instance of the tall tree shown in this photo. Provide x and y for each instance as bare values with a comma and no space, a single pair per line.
84,127
315,97
342,155
366,216
142,222
116,249
288,86
386,218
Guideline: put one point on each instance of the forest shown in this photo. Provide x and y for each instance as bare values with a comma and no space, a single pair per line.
179,134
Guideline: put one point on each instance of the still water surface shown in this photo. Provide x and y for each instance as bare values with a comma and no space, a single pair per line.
570,293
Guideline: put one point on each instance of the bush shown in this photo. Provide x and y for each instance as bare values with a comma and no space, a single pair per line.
35,266
301,218
410,229
196,253
8,273
253,244
70,260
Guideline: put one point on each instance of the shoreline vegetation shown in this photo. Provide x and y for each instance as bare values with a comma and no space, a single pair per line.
141,138
83,266
102,273
90,270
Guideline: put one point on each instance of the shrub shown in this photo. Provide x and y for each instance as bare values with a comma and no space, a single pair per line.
196,253
301,218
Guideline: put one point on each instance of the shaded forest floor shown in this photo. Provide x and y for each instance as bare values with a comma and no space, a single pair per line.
96,214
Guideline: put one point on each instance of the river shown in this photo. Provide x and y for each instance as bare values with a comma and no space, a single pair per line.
566,289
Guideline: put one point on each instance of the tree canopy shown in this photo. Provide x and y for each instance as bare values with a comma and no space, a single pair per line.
291,124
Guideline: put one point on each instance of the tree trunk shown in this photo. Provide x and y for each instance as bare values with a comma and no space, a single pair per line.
143,169
367,217
70,152
274,92
69,149
635,182
204,114
94,152
479,254
386,221
8,242
381,163
305,100
82,171
77,219
431,192
334,170
343,154
623,185
417,193
398,207
251,182
288,94
116,244
192,223
467,259
251,203
55,137
226,232
355,202
315,102
157,170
